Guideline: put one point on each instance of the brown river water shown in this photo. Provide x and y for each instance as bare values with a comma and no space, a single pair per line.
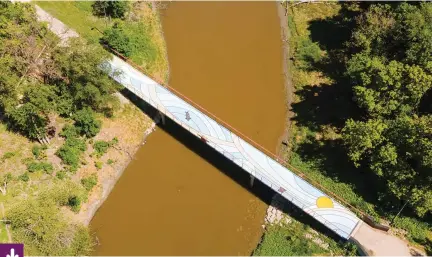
179,197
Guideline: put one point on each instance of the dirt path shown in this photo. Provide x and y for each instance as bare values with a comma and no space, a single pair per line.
379,243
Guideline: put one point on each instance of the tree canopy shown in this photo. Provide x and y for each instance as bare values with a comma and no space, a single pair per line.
391,68
39,77
113,9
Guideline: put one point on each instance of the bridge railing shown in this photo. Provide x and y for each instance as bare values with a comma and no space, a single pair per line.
243,136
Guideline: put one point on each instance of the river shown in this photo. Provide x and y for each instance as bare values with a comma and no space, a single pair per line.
179,197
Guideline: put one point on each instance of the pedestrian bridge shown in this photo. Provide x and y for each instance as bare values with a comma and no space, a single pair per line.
254,161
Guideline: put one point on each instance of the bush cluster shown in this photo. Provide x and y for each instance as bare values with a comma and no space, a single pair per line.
89,182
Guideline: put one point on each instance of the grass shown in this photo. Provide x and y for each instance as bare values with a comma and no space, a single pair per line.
142,21
287,241
3,233
78,16
322,103
297,239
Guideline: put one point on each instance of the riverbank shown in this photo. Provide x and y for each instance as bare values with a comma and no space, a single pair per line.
131,136
321,103
283,149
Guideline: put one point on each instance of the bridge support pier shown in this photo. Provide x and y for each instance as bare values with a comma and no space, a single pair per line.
160,117
252,180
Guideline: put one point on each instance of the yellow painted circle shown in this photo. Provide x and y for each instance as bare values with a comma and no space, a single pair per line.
324,202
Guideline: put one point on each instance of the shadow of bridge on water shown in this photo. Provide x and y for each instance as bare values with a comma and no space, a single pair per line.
226,166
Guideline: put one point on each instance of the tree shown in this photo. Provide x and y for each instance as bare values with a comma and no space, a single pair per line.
81,78
391,71
29,120
86,122
113,9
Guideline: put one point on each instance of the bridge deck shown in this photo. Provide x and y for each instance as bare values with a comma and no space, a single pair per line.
292,187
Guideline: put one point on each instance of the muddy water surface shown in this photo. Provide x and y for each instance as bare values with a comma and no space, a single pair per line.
179,197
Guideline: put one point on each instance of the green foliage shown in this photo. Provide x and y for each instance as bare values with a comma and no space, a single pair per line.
53,236
110,161
75,203
70,152
116,38
86,122
24,177
392,71
133,40
69,131
113,9
82,72
417,231
89,182
40,166
74,76
17,24
61,174
98,165
8,155
290,240
38,151
28,120
101,147
308,52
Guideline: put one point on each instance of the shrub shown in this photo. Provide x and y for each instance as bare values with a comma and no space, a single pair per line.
75,203
61,174
86,122
110,161
70,152
417,231
8,155
69,156
101,147
117,39
308,52
89,182
98,165
24,177
69,131
40,166
133,40
38,151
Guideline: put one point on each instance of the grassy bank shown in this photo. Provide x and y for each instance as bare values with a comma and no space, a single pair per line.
142,20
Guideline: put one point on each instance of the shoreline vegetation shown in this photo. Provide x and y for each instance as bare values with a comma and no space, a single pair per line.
319,49
66,190
156,68
286,232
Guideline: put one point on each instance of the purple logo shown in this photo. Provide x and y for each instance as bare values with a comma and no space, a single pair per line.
11,250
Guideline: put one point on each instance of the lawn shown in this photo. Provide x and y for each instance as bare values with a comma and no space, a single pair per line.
77,15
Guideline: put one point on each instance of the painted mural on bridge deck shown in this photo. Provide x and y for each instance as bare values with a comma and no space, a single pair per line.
310,199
